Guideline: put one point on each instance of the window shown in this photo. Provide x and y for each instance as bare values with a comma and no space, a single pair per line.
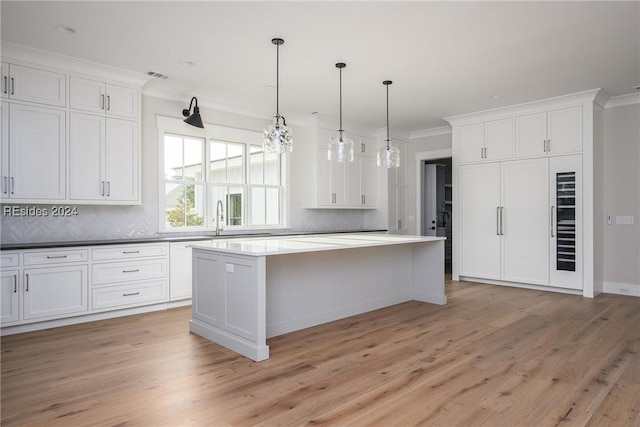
200,168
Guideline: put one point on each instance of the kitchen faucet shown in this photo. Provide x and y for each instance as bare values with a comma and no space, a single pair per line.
219,217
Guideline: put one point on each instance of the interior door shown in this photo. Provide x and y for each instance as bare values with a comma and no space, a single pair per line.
430,200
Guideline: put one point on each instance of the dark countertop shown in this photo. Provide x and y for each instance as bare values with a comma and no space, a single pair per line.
70,243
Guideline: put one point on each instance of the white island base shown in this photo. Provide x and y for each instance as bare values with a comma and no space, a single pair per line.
248,290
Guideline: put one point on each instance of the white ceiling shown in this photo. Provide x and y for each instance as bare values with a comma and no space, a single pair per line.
445,58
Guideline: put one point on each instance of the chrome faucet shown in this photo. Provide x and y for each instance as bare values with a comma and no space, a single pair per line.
219,217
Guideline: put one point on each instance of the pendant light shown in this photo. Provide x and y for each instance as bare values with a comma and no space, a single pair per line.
340,147
389,155
278,138
193,119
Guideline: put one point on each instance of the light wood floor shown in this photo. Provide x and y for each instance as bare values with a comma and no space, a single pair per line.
493,356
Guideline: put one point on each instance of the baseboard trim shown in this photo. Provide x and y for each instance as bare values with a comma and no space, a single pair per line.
629,289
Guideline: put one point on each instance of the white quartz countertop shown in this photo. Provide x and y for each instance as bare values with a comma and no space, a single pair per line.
279,245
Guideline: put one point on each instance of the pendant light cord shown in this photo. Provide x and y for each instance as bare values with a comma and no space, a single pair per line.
277,80
387,117
340,103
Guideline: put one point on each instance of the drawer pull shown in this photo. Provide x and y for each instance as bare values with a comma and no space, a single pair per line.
131,271
130,252
56,256
131,294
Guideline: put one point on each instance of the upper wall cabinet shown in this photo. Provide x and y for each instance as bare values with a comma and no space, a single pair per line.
344,185
52,152
549,132
33,153
21,83
486,141
100,97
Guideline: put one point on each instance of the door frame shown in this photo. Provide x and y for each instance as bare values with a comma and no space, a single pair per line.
420,157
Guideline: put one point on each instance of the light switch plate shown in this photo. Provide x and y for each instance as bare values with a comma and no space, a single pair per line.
626,220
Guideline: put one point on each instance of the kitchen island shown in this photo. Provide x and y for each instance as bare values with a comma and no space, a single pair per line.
248,290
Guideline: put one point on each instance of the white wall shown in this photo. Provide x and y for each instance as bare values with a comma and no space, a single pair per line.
621,184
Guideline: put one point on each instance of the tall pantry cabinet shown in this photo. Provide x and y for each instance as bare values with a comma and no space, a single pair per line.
524,195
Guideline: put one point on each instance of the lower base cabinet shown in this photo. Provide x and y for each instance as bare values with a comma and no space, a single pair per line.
55,291
40,286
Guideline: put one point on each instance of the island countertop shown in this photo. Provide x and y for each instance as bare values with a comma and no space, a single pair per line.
280,245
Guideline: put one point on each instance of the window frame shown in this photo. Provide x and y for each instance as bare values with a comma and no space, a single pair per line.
216,133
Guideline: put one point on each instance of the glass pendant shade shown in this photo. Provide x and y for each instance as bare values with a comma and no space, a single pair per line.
341,148
389,156
277,138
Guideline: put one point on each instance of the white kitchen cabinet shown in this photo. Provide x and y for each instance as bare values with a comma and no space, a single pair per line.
343,185
361,181
331,181
100,97
486,141
33,151
549,132
9,296
52,292
129,275
524,216
397,193
180,276
29,84
104,159
479,227
228,293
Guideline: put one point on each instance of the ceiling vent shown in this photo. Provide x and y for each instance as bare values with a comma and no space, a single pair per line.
156,75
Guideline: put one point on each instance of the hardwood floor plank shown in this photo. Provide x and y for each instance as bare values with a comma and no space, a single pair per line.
493,356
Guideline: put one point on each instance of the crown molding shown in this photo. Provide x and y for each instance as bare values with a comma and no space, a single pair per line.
426,133
597,96
619,101
68,65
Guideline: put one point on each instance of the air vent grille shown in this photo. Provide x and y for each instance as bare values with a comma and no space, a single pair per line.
156,75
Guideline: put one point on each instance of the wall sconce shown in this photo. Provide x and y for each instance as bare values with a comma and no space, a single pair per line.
193,119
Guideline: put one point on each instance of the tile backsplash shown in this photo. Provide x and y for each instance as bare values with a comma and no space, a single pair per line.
130,222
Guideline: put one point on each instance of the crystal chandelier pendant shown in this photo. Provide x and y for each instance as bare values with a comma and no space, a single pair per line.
340,148
389,156
278,138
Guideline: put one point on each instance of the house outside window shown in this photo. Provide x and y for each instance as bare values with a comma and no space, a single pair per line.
201,167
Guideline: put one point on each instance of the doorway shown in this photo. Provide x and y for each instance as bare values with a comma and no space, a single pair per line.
436,202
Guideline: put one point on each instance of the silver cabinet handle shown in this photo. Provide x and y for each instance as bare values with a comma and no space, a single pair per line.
548,145
102,188
15,283
4,184
363,148
26,282
56,256
102,102
108,188
13,186
333,197
133,252
482,152
497,220
501,230
13,86
131,294
5,85
362,199
399,224
551,221
131,271
108,102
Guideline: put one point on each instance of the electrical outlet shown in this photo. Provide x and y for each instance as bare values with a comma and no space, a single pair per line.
624,220
624,290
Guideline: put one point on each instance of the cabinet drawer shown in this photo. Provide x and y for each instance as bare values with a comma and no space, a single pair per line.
129,251
129,271
55,257
10,259
129,295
